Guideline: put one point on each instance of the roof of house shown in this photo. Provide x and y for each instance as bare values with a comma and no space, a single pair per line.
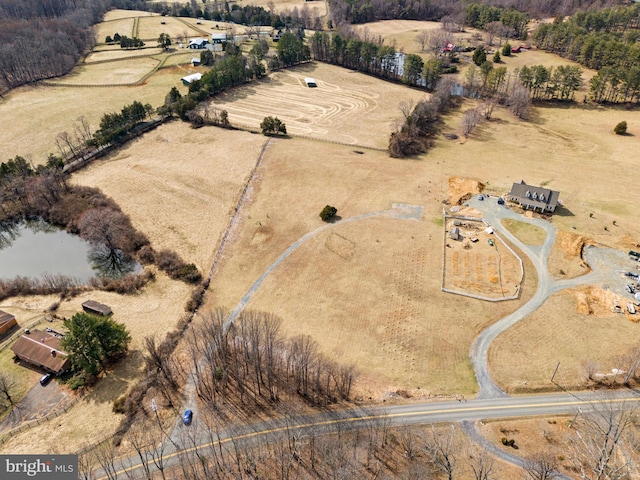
101,308
195,60
198,41
192,78
41,348
535,196
218,36
6,317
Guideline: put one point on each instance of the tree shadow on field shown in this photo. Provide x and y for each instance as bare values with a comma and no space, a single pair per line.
118,378
334,219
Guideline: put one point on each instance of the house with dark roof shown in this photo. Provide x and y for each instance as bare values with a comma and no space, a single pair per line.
96,308
7,322
535,198
42,350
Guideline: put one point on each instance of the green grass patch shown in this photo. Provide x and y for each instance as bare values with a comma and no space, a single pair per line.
438,221
525,232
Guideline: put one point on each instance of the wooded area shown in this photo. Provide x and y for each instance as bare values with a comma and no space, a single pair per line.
44,38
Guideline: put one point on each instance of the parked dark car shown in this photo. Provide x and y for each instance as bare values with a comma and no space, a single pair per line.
500,201
45,379
187,418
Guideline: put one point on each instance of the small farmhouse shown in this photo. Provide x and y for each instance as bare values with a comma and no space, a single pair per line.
7,322
95,308
186,81
535,198
198,43
454,234
42,350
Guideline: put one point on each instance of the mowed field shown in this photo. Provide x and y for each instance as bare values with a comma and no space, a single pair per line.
346,107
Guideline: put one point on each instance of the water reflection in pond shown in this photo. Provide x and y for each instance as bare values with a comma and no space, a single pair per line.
34,249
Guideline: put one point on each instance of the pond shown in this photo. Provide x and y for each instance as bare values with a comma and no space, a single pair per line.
36,249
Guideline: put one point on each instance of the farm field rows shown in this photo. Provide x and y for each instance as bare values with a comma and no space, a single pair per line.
346,107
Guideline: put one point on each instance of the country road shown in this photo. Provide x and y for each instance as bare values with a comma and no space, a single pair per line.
411,414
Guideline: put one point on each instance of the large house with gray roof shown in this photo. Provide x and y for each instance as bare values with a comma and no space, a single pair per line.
538,199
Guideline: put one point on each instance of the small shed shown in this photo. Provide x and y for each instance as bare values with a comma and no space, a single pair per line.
91,306
195,61
454,234
311,83
7,322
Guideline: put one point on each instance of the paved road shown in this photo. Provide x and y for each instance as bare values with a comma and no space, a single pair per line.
414,414
539,256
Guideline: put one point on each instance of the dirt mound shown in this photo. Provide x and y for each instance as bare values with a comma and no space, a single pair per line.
460,189
592,300
570,243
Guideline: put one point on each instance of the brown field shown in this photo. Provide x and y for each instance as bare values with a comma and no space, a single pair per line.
117,54
562,330
149,28
196,175
368,291
565,260
346,107
126,71
315,7
123,25
55,109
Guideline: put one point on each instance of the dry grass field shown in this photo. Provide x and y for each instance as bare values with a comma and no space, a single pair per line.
149,28
111,26
368,291
315,7
52,110
573,327
179,184
346,107
117,54
122,71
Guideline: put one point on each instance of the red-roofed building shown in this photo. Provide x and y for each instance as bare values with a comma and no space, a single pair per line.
42,350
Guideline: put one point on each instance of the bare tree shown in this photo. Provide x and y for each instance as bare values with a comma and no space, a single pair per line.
7,382
519,101
540,466
437,39
470,120
488,106
442,450
105,226
422,39
604,445
482,463
629,363
105,455
494,29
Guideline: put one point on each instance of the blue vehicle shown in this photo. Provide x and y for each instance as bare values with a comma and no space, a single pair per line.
45,379
187,418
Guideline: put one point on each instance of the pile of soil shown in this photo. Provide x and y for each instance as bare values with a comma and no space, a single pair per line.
461,189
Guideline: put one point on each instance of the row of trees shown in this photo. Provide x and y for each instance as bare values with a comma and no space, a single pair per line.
549,83
114,126
253,358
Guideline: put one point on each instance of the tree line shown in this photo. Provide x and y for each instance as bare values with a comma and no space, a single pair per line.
479,16
605,41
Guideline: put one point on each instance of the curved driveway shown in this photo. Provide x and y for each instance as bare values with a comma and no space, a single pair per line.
539,256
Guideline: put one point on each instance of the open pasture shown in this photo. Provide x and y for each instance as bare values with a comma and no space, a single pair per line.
150,28
314,7
117,53
55,109
126,71
346,107
368,291
178,184
122,26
